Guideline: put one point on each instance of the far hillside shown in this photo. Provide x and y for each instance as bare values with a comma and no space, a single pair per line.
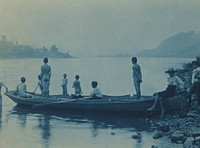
182,45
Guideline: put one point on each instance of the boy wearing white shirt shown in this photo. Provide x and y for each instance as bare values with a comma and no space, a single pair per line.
96,93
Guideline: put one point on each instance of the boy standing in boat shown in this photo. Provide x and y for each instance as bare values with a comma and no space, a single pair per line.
137,76
77,86
64,84
2,84
46,75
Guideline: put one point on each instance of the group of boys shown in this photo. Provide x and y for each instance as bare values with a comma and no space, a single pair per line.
44,83
174,83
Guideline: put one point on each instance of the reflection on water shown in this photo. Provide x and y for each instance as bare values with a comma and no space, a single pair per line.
44,125
97,120
98,124
22,119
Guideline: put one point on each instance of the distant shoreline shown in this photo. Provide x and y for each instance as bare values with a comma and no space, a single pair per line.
10,50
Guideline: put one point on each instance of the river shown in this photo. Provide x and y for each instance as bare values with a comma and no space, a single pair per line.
24,128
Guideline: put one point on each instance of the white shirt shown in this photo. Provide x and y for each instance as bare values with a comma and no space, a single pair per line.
96,92
195,72
176,81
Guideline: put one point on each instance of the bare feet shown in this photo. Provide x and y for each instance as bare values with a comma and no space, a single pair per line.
151,108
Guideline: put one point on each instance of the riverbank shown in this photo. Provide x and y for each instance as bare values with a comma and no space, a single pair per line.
177,130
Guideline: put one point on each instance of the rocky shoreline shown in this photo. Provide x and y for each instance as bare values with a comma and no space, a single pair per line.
177,131
180,129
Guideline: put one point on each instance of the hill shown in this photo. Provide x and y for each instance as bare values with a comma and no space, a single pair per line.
180,45
11,50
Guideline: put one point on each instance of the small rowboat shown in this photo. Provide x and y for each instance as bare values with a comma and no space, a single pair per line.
125,103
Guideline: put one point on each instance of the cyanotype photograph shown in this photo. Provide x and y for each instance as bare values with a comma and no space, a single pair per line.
99,74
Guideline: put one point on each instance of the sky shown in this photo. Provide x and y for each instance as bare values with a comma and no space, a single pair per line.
97,27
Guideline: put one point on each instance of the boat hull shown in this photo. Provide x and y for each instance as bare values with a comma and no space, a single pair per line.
108,103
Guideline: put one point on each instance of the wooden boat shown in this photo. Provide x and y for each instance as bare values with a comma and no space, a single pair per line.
125,103
34,98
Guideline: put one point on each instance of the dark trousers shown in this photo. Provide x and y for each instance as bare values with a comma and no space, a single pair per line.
168,92
195,89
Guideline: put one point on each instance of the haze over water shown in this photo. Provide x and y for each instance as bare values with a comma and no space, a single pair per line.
92,27
52,129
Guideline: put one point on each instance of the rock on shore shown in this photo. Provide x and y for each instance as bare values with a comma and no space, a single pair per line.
174,131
